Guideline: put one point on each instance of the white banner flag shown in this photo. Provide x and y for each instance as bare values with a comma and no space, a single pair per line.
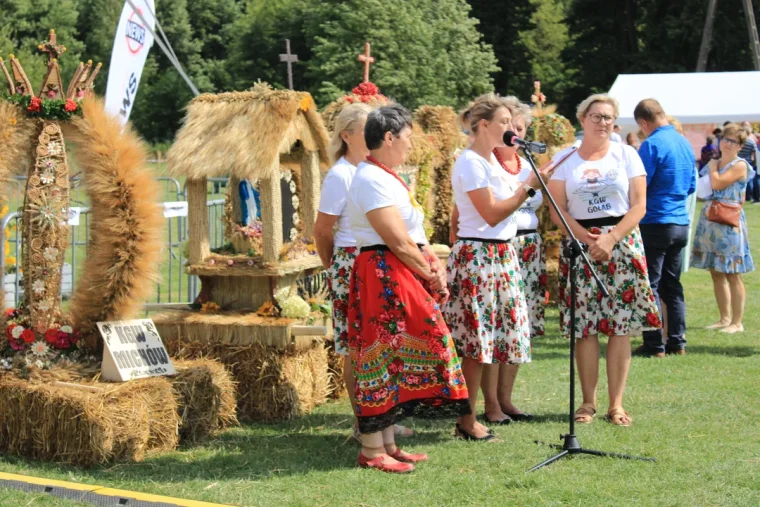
130,49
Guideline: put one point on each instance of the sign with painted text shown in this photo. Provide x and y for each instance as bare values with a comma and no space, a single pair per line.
130,50
133,349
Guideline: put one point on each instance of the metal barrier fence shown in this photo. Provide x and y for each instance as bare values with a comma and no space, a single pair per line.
175,286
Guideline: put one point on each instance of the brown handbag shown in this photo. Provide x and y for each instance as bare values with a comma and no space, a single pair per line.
723,213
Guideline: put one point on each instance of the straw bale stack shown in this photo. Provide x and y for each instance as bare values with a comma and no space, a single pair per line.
66,415
273,384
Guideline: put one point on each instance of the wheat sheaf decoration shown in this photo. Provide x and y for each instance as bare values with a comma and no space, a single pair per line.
127,221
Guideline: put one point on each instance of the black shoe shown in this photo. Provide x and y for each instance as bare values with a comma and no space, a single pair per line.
521,417
460,433
643,351
503,422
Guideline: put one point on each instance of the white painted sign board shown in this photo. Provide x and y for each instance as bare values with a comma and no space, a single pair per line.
133,349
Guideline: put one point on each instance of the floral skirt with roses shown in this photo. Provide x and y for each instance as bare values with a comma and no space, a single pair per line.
338,276
487,312
532,258
402,353
631,307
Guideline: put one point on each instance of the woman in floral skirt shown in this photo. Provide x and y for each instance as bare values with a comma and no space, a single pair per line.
487,312
532,260
601,191
402,353
723,249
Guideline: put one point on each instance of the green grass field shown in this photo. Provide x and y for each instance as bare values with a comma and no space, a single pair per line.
697,415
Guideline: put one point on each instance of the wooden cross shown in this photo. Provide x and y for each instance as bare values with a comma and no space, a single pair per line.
368,60
289,59
51,48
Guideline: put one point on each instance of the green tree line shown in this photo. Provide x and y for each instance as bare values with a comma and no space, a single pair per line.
427,51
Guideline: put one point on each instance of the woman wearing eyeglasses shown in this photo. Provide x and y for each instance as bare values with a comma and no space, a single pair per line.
601,191
724,249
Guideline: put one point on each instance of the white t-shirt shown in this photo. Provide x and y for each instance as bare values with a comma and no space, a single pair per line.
471,172
599,188
526,216
372,189
335,197
616,137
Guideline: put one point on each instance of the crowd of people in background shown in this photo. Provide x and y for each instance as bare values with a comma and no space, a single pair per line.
420,338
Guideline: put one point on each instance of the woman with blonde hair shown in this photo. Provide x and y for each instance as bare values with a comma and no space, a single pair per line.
721,248
336,244
601,191
487,312
499,379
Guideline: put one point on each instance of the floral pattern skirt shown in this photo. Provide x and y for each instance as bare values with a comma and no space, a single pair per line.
631,307
487,312
402,353
338,277
532,258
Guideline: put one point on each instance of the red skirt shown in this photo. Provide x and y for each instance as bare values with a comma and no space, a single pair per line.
401,350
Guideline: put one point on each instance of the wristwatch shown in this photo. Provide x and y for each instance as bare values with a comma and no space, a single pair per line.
530,191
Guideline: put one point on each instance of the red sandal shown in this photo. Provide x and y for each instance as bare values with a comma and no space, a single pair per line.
379,464
407,457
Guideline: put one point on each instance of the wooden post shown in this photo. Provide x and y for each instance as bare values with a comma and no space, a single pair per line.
198,236
271,216
310,187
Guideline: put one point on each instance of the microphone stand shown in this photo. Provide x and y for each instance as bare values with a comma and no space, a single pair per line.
570,444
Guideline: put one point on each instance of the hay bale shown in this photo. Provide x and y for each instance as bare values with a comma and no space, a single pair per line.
207,401
70,425
273,384
336,386
101,423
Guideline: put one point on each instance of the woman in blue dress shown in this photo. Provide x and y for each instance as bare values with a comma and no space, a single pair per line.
723,249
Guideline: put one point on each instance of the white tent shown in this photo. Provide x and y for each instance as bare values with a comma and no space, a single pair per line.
693,98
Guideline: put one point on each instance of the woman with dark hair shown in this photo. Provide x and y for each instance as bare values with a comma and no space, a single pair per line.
401,350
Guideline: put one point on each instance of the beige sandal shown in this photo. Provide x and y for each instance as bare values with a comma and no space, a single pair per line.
618,417
585,413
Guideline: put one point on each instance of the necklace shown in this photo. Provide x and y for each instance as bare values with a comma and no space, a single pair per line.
504,164
373,160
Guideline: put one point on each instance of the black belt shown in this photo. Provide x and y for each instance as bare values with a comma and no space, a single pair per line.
599,222
484,240
525,232
384,248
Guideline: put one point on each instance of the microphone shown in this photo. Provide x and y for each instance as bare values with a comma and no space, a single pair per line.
511,139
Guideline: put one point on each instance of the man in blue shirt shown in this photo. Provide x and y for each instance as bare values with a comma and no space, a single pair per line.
671,177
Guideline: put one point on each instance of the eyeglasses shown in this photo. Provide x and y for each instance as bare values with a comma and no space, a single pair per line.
597,118
730,141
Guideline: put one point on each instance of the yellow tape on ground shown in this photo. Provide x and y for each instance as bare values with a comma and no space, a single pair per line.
100,490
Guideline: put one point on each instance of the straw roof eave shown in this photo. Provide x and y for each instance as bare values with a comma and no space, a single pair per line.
242,134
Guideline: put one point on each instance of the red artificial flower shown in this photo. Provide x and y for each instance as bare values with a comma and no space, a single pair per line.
27,336
34,105
365,89
70,106
9,331
51,336
628,296
10,313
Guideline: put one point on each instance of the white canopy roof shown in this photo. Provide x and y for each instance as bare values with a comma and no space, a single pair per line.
697,97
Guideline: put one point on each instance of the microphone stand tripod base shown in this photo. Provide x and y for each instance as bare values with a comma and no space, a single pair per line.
572,446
